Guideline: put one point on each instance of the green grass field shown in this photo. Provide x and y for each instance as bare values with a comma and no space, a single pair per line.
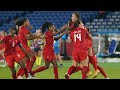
112,70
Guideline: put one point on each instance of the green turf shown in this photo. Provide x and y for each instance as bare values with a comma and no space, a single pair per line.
111,69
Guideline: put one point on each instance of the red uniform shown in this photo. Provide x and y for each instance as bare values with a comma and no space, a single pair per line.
79,44
48,52
22,36
20,54
10,49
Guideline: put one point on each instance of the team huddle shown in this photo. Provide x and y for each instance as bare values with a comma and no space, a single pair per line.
17,49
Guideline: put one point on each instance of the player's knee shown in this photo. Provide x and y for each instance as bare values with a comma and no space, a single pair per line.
47,66
34,58
55,65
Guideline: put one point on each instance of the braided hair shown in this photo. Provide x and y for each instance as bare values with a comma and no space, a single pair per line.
46,26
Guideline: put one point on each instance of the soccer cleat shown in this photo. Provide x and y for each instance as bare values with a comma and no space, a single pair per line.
96,73
89,73
61,65
67,76
107,78
19,77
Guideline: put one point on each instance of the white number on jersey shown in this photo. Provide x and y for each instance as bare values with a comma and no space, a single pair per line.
13,44
77,36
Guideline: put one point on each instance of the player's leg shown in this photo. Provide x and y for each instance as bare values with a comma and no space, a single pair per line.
39,57
54,62
21,70
31,62
93,61
42,68
10,63
89,72
22,64
12,68
71,69
102,72
85,68
36,54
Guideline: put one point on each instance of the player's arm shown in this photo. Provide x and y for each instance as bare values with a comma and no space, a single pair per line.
57,38
23,49
1,41
31,36
61,30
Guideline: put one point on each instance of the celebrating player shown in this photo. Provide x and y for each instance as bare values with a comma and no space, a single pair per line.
48,52
79,54
11,42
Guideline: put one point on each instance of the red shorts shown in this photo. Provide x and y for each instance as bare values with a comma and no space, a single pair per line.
10,60
49,56
79,55
20,54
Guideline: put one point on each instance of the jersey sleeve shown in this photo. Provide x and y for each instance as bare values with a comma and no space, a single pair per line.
25,31
5,39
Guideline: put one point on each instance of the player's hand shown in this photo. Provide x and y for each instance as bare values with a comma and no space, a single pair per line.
30,27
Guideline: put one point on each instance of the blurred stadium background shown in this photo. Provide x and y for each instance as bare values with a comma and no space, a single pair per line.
104,27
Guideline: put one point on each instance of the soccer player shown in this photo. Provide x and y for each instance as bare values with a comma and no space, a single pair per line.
48,52
22,55
92,58
57,45
25,35
11,42
79,54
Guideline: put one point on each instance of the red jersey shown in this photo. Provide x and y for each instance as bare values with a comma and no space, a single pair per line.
78,37
22,36
10,44
49,41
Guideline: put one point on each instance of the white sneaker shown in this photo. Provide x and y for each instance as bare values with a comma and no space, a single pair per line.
107,78
28,78
32,77
19,77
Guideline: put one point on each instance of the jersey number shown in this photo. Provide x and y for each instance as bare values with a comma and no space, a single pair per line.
77,36
13,44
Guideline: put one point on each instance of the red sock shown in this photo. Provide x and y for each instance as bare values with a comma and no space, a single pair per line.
56,72
31,64
19,71
78,69
84,72
102,72
25,71
93,61
22,72
14,76
39,70
71,70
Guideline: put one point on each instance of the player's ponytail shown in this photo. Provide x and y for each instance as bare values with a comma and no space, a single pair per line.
75,24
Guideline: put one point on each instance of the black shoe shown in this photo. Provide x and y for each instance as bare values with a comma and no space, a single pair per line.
61,65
